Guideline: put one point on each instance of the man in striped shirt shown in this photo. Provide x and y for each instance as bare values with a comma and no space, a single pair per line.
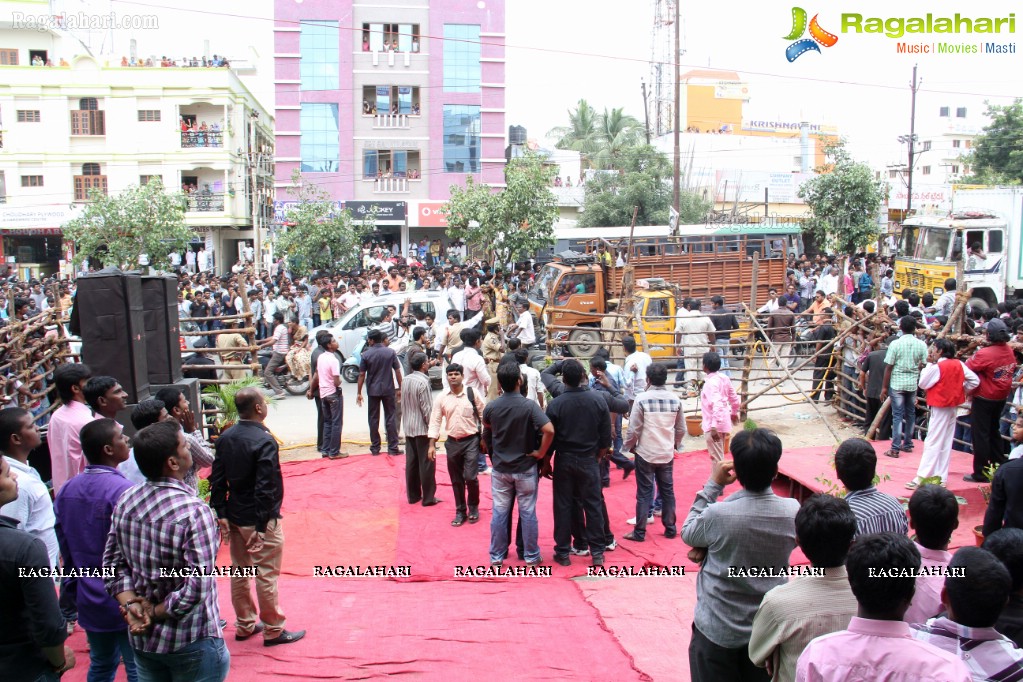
280,341
876,512
416,408
160,532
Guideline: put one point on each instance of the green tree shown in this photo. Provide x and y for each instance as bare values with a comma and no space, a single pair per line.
844,199
600,138
643,180
116,230
514,222
319,237
997,155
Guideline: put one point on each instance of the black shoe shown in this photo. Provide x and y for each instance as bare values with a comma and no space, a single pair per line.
474,514
375,454
562,560
632,536
598,560
459,519
431,502
285,638
255,631
970,478
415,501
627,472
605,484
670,534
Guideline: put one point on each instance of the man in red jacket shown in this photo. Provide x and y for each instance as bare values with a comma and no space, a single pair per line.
994,365
947,381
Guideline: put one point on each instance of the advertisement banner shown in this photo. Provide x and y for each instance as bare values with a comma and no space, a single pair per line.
388,212
731,90
46,218
429,215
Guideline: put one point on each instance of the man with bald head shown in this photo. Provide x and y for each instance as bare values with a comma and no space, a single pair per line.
246,491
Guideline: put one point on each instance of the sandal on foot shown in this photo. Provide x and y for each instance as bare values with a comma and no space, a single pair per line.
893,453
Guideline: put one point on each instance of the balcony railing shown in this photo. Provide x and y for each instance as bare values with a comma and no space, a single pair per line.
389,58
391,121
390,186
205,203
202,138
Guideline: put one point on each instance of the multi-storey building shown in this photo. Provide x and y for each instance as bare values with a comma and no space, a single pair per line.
89,123
387,104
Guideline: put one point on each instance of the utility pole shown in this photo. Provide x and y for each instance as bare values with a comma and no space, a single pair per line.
257,228
914,86
675,186
646,111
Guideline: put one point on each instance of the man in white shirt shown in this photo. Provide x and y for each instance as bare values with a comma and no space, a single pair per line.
523,327
530,377
474,367
348,298
636,363
772,303
33,509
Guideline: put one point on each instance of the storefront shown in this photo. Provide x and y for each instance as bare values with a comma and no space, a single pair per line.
31,244
390,224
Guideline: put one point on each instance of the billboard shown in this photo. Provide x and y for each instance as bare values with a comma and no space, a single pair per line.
429,215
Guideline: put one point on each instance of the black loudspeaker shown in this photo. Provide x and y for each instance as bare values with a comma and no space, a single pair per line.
160,310
112,326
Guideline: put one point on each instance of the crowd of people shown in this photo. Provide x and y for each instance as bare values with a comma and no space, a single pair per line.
216,61
874,603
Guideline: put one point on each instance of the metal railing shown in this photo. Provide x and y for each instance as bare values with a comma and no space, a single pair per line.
390,186
205,203
202,138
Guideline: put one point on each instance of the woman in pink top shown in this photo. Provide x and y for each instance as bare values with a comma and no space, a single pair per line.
719,405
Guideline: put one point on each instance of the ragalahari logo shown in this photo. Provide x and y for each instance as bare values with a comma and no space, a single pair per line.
803,45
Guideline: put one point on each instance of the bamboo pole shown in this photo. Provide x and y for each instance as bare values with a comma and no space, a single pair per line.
215,332
785,368
751,337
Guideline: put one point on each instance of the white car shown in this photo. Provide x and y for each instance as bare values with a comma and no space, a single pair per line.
351,328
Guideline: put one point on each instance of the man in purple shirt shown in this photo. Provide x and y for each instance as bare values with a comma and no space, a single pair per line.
878,645
84,508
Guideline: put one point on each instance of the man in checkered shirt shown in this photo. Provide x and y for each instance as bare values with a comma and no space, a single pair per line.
162,548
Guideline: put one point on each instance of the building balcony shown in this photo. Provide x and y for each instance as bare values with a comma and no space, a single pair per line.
202,138
392,59
390,186
199,202
391,121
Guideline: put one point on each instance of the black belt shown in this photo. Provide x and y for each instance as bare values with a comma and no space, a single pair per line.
463,439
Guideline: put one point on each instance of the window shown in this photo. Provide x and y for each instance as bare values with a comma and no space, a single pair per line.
968,142
28,116
961,112
31,181
893,174
149,115
994,241
461,58
934,244
956,143
461,138
146,179
388,163
88,119
926,170
390,37
318,44
954,169
926,146
319,126
89,179
386,99
656,308
8,57
943,112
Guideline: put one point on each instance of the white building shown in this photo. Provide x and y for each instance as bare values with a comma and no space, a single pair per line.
90,123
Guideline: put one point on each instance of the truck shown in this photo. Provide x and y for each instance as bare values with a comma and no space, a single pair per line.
981,238
573,291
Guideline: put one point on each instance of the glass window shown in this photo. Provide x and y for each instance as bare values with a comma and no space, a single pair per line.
400,164
461,58
318,44
405,37
994,243
376,37
461,138
383,99
961,112
370,163
934,244
319,126
404,100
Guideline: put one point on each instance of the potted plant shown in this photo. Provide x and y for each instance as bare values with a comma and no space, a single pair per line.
221,397
985,490
694,422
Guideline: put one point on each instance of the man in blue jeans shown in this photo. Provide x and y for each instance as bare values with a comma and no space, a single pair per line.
174,622
903,361
656,430
512,424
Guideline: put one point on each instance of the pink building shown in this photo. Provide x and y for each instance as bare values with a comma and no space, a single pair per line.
386,105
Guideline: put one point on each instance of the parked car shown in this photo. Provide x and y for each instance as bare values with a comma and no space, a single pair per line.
350,329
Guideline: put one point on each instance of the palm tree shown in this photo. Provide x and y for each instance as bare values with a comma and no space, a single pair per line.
579,133
616,132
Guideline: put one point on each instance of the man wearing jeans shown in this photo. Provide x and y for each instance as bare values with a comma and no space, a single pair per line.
379,370
903,361
280,341
511,424
656,430
328,373
304,305
172,614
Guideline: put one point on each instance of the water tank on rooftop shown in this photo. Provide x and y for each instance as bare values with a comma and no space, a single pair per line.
516,135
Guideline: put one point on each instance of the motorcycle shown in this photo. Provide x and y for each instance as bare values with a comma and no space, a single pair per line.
350,368
288,381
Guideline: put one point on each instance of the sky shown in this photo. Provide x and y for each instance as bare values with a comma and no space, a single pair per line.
561,51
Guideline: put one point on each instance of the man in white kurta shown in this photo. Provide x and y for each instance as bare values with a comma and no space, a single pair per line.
946,388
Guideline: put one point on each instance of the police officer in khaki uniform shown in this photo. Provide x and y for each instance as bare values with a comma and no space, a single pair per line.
493,350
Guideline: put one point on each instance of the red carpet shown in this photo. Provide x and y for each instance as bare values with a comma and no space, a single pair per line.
434,625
